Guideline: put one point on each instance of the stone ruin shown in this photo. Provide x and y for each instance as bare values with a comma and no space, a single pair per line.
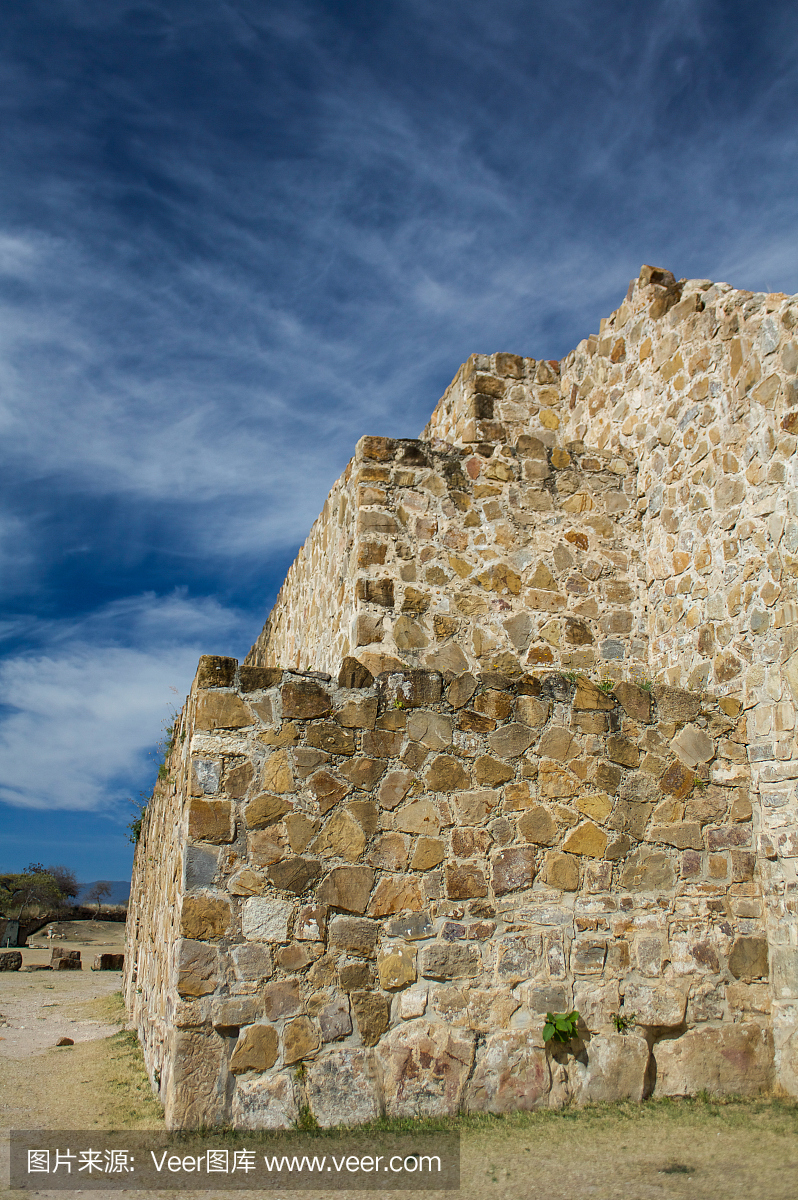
518,736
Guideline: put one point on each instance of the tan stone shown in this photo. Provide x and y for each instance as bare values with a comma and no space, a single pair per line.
428,853
620,750
587,839
347,888
685,835
300,1038
461,690
327,789
247,882
304,699
205,918
393,895
474,807
531,711
748,958
431,729
211,821
555,781
693,746
197,967
731,1060
678,781
537,825
557,743
255,1050
327,736
561,871
372,1014
617,1068
635,701
277,775
511,1075
509,741
465,881
237,779
341,837
445,774
265,810
364,773
300,830
589,696
420,817
648,871
597,805
489,772
396,967
294,874
389,852
221,710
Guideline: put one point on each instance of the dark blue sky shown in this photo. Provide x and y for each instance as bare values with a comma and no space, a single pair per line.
236,236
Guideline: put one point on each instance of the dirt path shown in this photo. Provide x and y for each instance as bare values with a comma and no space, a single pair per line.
657,1151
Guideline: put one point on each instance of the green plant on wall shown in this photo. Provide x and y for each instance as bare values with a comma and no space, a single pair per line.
623,1023
560,1027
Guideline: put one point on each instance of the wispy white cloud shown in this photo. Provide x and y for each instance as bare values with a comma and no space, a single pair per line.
82,713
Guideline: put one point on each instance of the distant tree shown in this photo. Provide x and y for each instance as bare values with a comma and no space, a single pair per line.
98,892
34,885
66,880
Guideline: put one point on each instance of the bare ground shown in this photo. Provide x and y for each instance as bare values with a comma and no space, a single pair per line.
736,1150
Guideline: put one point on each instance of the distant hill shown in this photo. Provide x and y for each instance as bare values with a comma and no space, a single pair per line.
120,891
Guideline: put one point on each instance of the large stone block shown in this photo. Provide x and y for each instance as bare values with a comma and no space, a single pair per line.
205,917
255,1050
196,1089
221,710
197,968
425,1065
726,1060
342,1089
348,888
655,1004
266,920
511,1075
265,1102
617,1069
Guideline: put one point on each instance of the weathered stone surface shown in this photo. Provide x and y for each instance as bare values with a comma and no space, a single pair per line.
266,810
237,779
730,1060
341,1089
445,774
300,1038
686,835
656,1004
425,1065
537,825
197,967
395,894
211,821
693,746
356,935
357,712
106,962
348,888
221,710
265,1102
396,967
372,1014
439,961
255,679
513,869
635,702
327,789
334,1018
341,837
411,926
511,1075
489,772
431,729
587,839
255,1050
428,853
510,740
266,920
473,808
465,881
196,1089
215,671
394,788
354,675
648,871
590,697
461,690
674,704
620,750
617,1066
205,917
205,776
294,874
561,871
304,699
421,817
331,738
748,958
252,960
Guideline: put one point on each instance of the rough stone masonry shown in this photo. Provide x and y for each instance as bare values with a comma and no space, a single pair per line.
518,736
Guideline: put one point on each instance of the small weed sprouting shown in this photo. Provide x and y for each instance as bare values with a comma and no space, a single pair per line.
560,1027
571,676
623,1023
606,686
301,1072
699,784
398,702
306,1121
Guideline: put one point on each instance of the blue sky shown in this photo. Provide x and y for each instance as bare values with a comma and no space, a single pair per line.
236,236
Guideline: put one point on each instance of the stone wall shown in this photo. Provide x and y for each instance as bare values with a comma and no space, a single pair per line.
573,781
393,883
